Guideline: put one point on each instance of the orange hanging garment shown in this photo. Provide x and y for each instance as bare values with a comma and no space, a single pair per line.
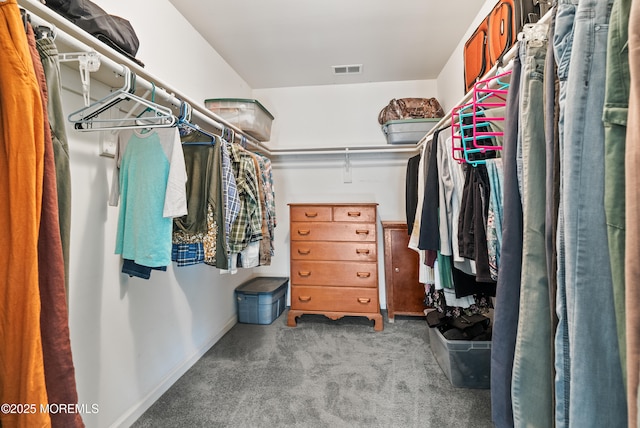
21,173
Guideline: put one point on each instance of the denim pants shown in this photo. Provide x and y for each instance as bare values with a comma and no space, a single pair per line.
551,113
49,58
615,130
632,217
505,317
562,46
596,396
532,386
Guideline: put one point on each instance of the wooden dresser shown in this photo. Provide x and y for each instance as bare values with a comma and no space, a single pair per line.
405,293
334,261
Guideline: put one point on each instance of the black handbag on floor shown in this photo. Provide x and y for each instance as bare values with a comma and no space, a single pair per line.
113,30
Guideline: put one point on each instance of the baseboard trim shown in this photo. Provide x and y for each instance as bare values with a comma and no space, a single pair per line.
129,417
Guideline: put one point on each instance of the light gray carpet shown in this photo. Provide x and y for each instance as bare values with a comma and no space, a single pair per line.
322,373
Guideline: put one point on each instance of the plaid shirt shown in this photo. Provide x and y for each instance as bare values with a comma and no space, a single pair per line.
269,196
229,189
248,225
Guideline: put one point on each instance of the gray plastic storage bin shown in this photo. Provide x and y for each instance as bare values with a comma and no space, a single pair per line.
408,131
261,300
466,363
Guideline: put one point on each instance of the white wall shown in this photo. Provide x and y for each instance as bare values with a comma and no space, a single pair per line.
334,115
175,53
374,179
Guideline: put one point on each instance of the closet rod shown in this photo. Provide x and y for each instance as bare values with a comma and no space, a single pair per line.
343,150
497,68
74,37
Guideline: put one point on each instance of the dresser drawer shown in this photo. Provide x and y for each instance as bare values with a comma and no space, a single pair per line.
355,213
351,274
349,251
310,213
355,232
346,299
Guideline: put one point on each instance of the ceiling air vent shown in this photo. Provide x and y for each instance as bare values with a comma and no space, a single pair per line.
347,69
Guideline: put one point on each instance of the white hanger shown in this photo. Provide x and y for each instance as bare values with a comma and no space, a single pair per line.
87,118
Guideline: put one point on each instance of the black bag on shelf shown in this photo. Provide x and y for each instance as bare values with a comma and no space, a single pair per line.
112,30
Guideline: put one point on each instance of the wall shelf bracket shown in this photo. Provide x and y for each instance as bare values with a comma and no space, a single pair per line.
88,62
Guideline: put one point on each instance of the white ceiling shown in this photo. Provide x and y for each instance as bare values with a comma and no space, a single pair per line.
282,43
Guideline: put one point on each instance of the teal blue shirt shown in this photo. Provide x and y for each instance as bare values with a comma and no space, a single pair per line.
151,185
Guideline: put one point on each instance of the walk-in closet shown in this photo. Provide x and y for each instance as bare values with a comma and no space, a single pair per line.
345,214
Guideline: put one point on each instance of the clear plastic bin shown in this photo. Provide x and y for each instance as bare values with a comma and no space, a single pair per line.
248,115
466,363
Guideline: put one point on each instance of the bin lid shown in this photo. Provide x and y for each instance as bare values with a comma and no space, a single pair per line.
262,285
239,100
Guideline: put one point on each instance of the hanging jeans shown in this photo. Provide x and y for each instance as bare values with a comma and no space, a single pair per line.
615,130
532,387
632,215
562,44
505,317
553,170
596,396
21,169
49,58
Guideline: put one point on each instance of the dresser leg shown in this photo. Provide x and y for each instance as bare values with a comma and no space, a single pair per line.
291,318
378,326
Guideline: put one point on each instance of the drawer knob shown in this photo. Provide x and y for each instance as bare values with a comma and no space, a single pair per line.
364,299
304,274
311,215
362,251
304,298
303,232
304,252
364,274
353,213
362,232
